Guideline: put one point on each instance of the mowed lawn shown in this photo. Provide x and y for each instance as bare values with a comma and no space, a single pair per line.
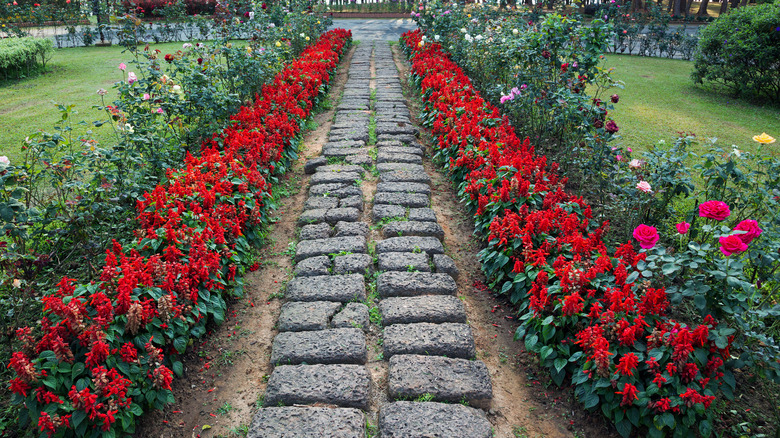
660,100
74,76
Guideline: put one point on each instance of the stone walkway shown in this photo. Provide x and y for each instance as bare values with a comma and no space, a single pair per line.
349,287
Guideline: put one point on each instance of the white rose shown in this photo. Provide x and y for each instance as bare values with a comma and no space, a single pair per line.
5,161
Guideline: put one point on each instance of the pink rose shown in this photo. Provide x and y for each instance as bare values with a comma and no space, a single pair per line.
644,186
732,244
160,111
131,77
646,235
683,227
147,96
122,66
714,210
751,230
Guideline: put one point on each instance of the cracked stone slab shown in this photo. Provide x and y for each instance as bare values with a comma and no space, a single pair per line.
396,128
352,202
335,177
341,385
405,138
309,422
343,152
330,346
353,315
335,190
411,284
386,157
347,214
426,308
446,379
403,187
352,264
403,261
447,339
341,168
412,200
313,216
384,211
343,135
312,266
386,143
297,316
315,231
431,245
422,214
413,228
359,159
341,288
406,419
405,176
444,264
344,144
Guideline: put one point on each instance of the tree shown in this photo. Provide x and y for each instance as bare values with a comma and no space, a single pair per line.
703,8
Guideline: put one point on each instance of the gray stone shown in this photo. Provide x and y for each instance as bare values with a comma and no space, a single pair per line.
320,202
352,105
359,159
312,266
353,315
403,261
315,231
352,264
341,288
405,176
405,138
341,168
413,228
447,339
426,308
398,150
347,135
406,419
396,128
422,214
431,245
334,177
340,345
351,124
392,142
344,229
352,202
344,152
342,385
412,200
385,157
344,144
383,211
444,264
348,214
313,163
390,167
446,379
314,216
411,284
299,316
403,187
309,422
335,190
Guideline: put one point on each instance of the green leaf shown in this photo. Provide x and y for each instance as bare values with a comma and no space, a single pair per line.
700,302
77,369
180,344
560,364
548,332
530,341
633,416
624,427
178,368
589,400
77,417
705,428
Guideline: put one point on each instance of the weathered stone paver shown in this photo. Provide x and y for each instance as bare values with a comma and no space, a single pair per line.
341,385
339,345
411,284
299,316
310,422
431,245
426,308
448,339
342,288
333,245
405,419
446,379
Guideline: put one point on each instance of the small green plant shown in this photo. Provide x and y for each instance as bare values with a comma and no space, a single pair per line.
425,397
225,408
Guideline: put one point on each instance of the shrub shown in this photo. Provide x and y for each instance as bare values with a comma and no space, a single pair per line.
20,57
740,50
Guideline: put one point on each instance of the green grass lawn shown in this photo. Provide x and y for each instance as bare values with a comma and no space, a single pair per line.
74,76
660,100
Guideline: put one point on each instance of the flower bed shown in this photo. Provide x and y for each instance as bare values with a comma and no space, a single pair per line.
590,315
107,351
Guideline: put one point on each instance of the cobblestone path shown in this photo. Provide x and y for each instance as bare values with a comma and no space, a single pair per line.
372,338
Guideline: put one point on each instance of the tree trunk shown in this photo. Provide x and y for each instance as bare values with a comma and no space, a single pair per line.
724,6
678,5
744,3
734,4
688,7
703,8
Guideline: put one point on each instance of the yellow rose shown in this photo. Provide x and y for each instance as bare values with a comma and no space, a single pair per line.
764,138
278,44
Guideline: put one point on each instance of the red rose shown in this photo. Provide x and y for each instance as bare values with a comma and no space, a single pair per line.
732,244
169,57
612,127
714,210
751,230
646,235
615,98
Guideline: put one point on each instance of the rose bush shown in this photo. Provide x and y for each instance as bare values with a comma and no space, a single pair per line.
106,351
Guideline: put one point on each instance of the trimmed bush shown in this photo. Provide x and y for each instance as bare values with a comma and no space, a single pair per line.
21,56
741,50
